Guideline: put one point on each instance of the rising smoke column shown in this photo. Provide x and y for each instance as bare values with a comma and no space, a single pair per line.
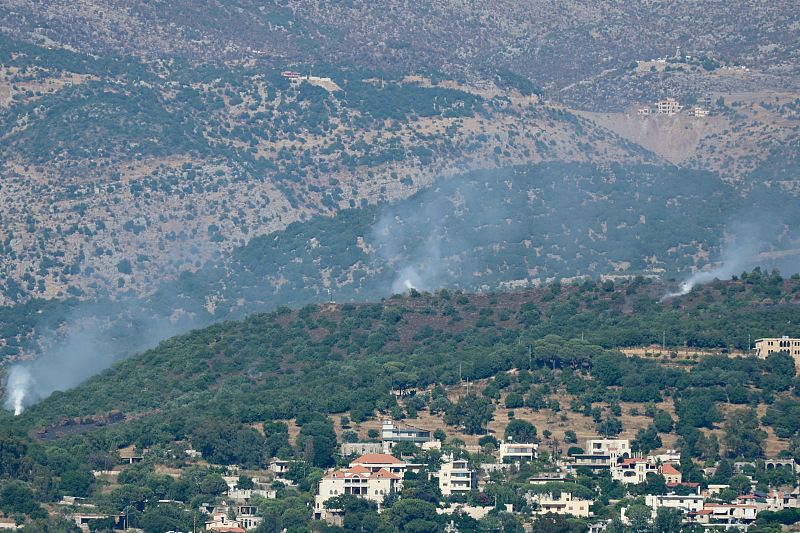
419,262
17,384
98,336
70,362
744,242
430,239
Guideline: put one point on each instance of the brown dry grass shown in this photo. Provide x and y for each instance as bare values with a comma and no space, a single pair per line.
558,423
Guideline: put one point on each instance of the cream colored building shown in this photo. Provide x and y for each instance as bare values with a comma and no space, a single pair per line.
670,473
564,504
670,106
765,347
456,477
614,448
602,453
633,470
357,480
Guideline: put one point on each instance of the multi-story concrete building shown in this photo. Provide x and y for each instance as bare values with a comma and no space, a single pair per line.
724,514
564,504
765,347
772,501
456,477
699,112
391,435
614,448
517,451
670,106
603,453
633,470
687,504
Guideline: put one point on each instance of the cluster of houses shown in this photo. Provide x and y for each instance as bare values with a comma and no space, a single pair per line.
375,474
615,455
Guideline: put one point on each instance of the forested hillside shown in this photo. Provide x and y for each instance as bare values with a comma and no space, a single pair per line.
324,373
284,348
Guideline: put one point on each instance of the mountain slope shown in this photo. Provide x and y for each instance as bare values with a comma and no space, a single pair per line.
344,358
554,44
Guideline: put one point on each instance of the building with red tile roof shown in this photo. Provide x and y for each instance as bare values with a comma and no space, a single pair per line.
366,478
670,473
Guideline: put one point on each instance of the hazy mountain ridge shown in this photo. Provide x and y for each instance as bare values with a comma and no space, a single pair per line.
555,44
154,168
514,228
95,146
123,175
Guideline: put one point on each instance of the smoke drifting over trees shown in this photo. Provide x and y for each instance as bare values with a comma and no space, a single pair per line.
480,231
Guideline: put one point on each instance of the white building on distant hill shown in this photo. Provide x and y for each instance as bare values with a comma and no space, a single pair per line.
765,347
633,470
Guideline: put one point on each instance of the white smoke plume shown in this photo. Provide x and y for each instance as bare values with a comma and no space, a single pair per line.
419,265
69,363
409,278
17,384
744,247
95,340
